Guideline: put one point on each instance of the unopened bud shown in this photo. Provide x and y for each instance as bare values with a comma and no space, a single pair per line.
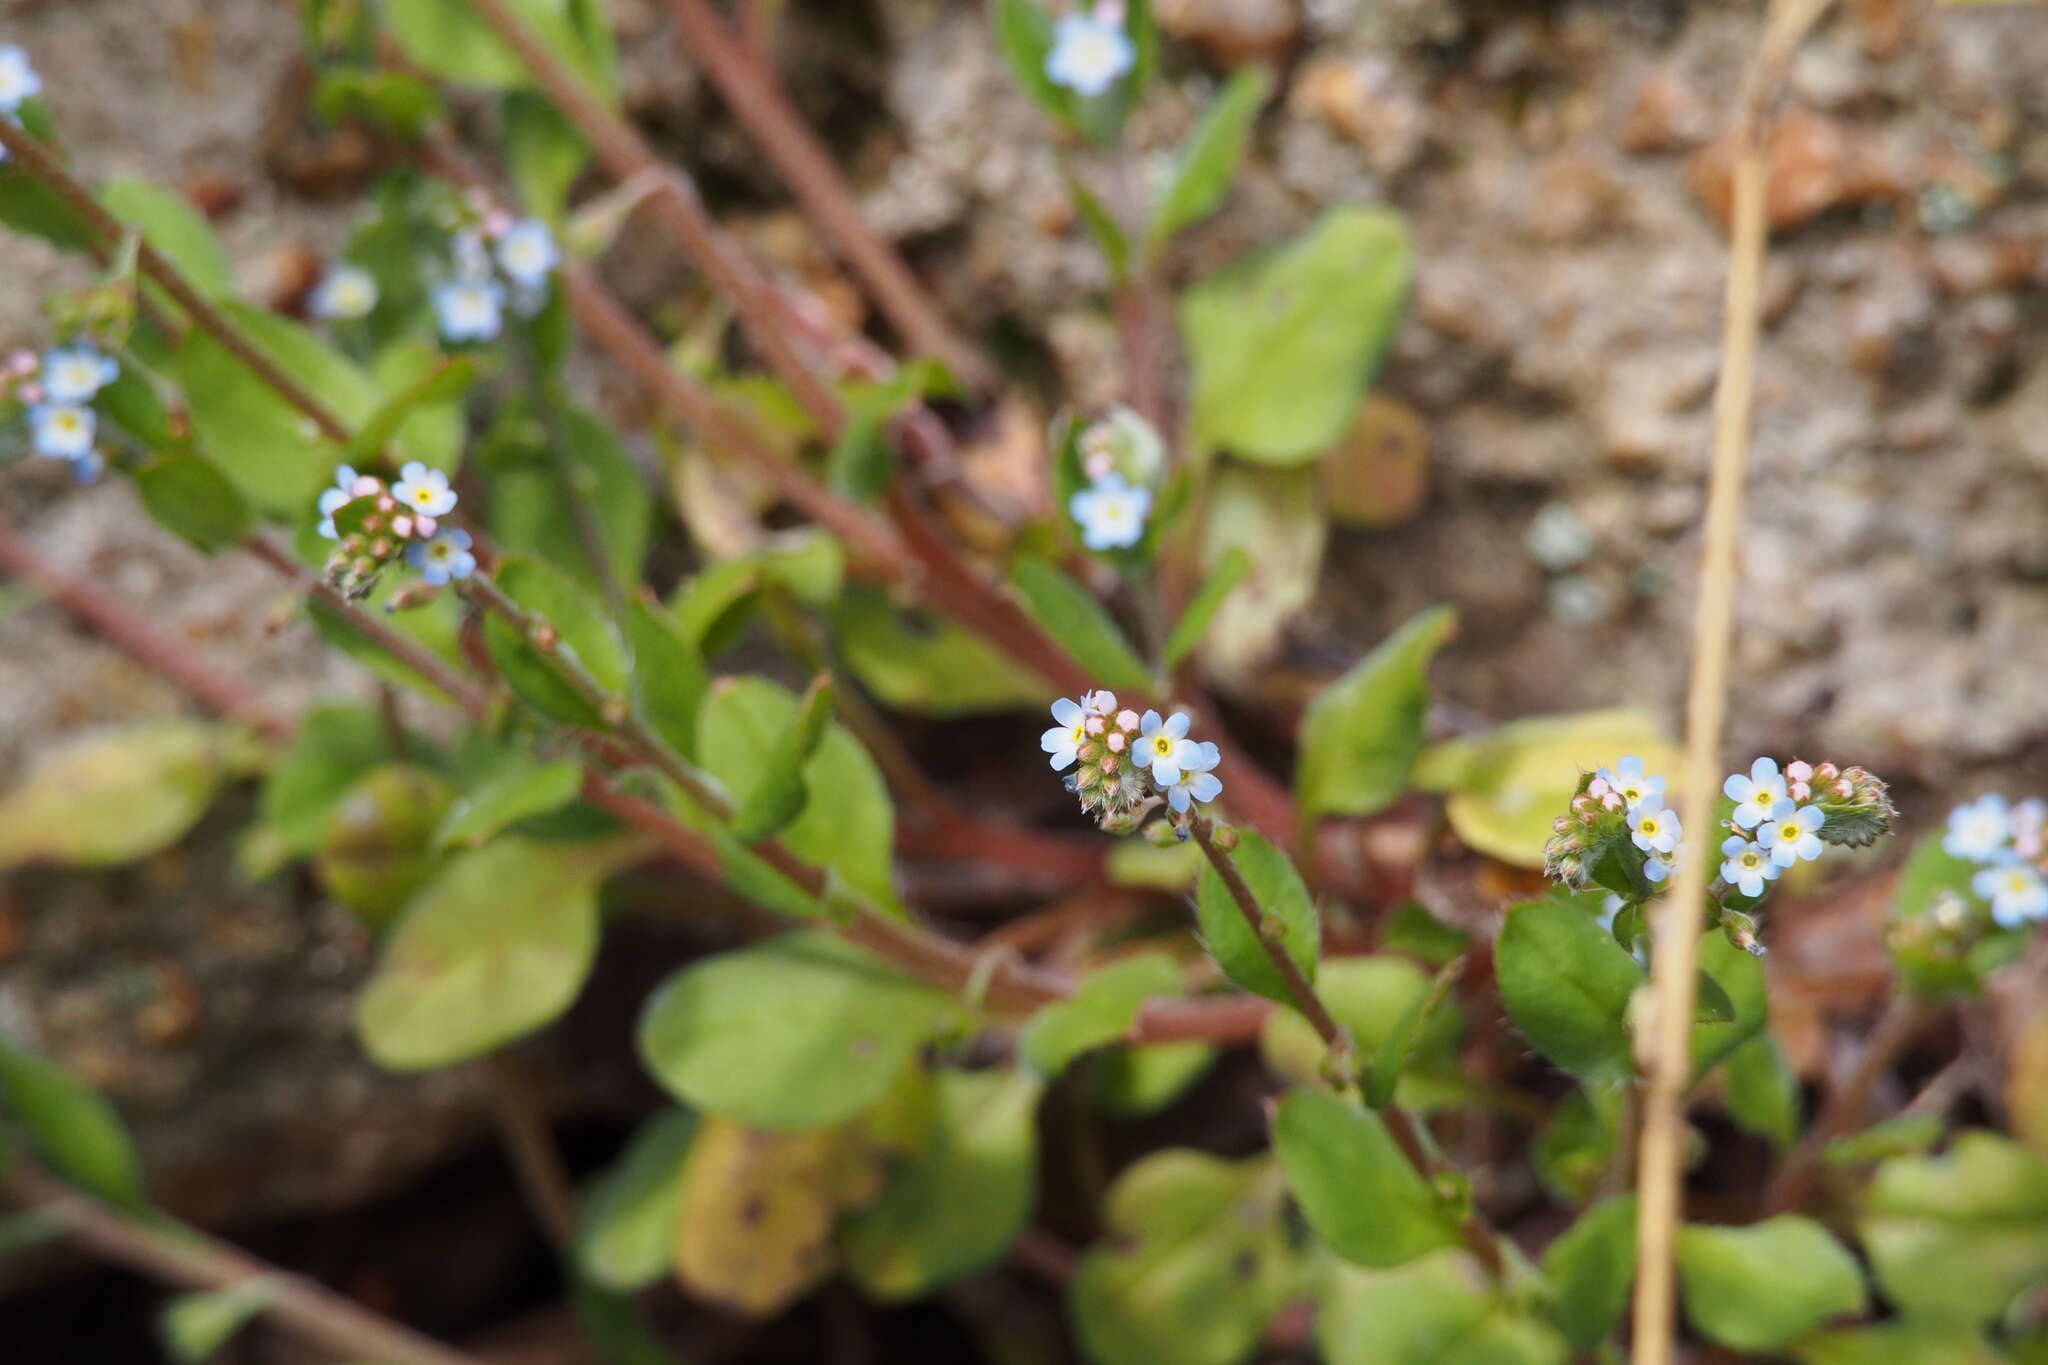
1826,772
386,503
1109,765
1570,869
1118,741
401,526
1563,824
1584,805
1095,725
1091,752
1224,837
381,548
545,637
1799,770
1800,791
417,593
1127,721
1843,789
1089,776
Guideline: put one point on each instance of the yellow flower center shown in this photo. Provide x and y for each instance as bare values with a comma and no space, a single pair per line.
1791,830
1162,745
1647,826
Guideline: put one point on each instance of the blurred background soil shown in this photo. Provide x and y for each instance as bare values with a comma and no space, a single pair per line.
1559,167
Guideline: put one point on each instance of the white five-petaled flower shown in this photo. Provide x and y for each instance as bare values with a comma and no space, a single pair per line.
527,252
1064,740
1792,835
1628,780
63,431
1659,866
1654,830
1111,513
1978,830
346,292
469,309
334,499
1757,796
2016,892
424,491
1163,746
1746,865
1089,53
1100,702
75,374
18,79
1197,781
444,557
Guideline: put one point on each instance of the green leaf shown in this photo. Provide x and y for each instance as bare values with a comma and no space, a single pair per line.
800,1032
1370,996
1762,1092
627,1239
1282,344
1277,520
1437,1310
377,848
586,635
1900,1343
544,154
196,1326
1209,159
1391,1057
495,947
113,796
960,1203
335,745
394,100
29,206
1225,575
1901,1135
780,793
1133,1082
1413,931
1576,1147
1567,985
517,789
1756,1288
434,627
132,403
168,222
1932,875
1356,1189
1102,225
1082,625
414,383
1957,1237
1591,1266
1740,1000
1100,1012
924,664
742,726
669,676
72,1126
863,459
1288,915
530,484
1360,735
1195,1261
194,501
446,38
1023,31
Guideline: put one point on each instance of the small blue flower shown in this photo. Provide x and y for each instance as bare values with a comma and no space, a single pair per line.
1747,866
1791,834
62,431
1089,54
1111,513
1634,786
1654,830
2016,892
1064,741
423,491
1757,796
1163,746
334,499
527,253
18,80
1197,782
88,467
469,309
444,557
1978,830
346,292
1659,866
75,374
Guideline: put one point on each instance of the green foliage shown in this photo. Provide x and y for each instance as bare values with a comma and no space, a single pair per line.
1760,1287
402,103
1393,1055
1283,343
1738,991
801,1032
1591,1266
863,459
113,796
447,39
1275,519
924,664
1099,1012
543,153
779,793
71,1125
627,1237
192,500
29,206
1132,1082
1072,615
1434,1309
1289,915
433,627
532,483
1575,1148
1762,1092
168,222
1373,997
669,676
1899,1343
1567,985
335,745
195,1327
1229,571
584,634
1361,735
1209,159
515,788
1355,1187
1958,1237
377,847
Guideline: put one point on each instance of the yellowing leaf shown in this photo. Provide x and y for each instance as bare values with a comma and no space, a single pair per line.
114,795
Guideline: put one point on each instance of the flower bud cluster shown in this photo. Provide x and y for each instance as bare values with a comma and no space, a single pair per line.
1123,458
1125,764
375,525
54,394
1618,832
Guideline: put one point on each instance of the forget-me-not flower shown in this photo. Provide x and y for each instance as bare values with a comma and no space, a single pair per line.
1654,831
334,499
1163,746
62,431
1111,513
75,374
1757,796
469,309
527,252
1746,865
346,292
1089,53
1978,830
423,491
2016,892
18,79
1633,785
1660,865
1197,781
1064,740
1792,835
444,557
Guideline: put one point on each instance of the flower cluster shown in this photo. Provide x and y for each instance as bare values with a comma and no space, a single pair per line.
377,524
1615,809
1128,762
495,262
1122,456
1090,50
2007,842
19,83
55,393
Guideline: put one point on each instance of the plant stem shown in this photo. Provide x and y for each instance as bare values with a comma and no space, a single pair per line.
180,1255
530,1147
1902,1021
1676,935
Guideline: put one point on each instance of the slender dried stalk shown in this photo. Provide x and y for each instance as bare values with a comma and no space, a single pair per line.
1669,1062
543,1180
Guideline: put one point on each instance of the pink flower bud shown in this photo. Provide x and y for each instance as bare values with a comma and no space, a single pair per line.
497,223
1095,725
1583,805
1800,791
1127,721
1098,466
24,362
1118,741
1598,787
386,503
31,393
1612,801
425,526
401,526
1799,770
365,485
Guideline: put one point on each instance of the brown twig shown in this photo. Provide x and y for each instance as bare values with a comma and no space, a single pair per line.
530,1147
1846,1103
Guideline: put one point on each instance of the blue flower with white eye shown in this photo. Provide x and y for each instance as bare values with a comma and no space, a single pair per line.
1757,796
423,491
2016,892
345,293
469,309
1111,513
527,253
1064,741
1746,865
1089,53
1628,780
334,499
1978,830
1655,831
1792,834
75,374
62,431
1163,746
18,80
1197,782
444,557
